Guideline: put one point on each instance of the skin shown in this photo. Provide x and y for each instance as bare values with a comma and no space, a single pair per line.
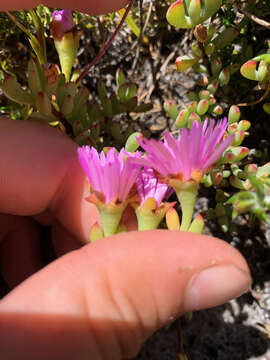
101,300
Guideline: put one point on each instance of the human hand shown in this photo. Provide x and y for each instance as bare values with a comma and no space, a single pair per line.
104,299
101,300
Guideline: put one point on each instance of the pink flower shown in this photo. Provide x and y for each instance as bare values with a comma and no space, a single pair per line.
111,177
62,22
189,156
148,186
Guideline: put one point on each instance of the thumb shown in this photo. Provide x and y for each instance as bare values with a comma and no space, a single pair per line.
102,301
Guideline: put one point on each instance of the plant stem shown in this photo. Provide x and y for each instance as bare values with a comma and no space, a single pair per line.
107,45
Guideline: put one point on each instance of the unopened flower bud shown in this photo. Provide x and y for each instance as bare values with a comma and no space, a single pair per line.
171,109
204,94
251,168
216,176
202,106
192,106
217,110
244,125
238,138
235,154
232,128
212,87
224,77
234,114
182,119
193,117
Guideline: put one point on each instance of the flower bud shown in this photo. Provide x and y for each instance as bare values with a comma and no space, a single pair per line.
62,22
232,128
217,110
204,94
182,119
192,106
216,176
202,106
235,154
234,114
238,138
224,77
212,87
251,168
193,117
171,109
244,125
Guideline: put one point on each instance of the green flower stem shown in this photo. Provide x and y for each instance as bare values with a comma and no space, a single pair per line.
110,218
147,220
187,195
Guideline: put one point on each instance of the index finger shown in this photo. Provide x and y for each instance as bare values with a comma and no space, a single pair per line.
92,6
39,171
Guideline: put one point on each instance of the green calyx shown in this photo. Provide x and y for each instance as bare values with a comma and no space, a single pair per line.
187,195
67,48
110,217
149,216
